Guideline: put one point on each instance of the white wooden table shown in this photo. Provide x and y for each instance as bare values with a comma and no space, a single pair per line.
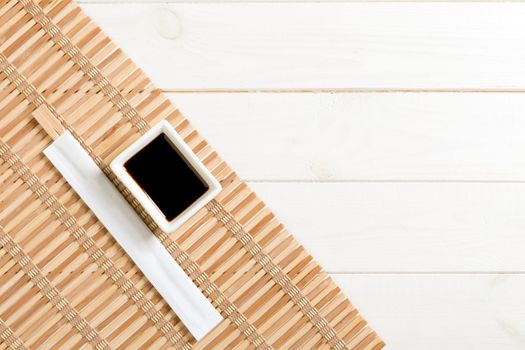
400,126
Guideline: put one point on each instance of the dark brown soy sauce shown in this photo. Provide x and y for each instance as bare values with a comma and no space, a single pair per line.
166,177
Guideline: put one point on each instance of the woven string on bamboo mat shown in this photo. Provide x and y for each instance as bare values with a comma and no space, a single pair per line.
65,283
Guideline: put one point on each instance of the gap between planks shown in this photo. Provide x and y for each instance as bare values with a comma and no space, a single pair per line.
381,181
342,91
425,273
270,1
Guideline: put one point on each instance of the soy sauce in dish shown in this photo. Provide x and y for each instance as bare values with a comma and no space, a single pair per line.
166,177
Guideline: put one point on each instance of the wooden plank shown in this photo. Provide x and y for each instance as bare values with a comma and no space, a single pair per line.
321,45
435,312
363,136
404,227
234,1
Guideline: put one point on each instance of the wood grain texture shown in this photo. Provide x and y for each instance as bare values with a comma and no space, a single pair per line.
407,226
365,136
436,312
321,45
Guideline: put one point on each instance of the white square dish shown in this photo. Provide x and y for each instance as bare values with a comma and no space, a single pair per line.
184,152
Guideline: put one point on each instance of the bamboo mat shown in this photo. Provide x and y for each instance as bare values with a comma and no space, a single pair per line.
65,283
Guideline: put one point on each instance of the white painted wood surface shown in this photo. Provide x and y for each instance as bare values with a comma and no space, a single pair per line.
437,312
365,136
406,227
322,46
430,183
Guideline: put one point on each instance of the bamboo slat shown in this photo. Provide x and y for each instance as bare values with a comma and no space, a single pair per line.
64,281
